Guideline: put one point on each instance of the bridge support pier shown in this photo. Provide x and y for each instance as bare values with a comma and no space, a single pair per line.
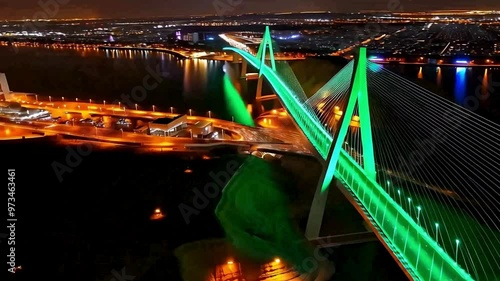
236,58
317,210
4,87
258,94
244,67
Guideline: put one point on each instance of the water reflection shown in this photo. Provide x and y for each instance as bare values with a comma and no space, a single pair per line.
460,85
484,85
439,77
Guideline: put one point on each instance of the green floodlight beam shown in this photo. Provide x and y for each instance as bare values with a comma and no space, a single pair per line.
235,104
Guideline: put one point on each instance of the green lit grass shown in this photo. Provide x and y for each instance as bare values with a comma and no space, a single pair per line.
255,214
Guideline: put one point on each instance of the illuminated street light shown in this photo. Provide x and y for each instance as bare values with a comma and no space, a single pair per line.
172,110
230,262
157,214
104,102
418,213
76,99
190,112
50,99
90,100
153,108
209,114
276,260
36,98
437,231
456,251
136,106
63,98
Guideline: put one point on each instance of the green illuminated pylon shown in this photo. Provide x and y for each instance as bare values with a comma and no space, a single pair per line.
359,94
267,43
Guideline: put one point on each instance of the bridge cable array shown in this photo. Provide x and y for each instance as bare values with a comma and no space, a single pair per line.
440,162
436,160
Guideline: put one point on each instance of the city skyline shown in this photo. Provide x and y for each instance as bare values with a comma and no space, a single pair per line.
24,9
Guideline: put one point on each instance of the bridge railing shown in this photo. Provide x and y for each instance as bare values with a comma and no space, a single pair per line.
417,251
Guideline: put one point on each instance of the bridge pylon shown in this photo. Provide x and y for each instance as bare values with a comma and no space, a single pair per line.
4,87
266,45
358,95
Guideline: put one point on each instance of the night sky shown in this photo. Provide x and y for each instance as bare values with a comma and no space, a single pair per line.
19,9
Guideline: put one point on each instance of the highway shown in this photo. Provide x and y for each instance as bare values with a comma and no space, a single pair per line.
275,139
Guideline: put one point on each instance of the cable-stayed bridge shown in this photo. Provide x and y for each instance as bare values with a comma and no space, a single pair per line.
423,171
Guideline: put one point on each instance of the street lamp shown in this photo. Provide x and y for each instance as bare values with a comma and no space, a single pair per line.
409,205
63,98
90,100
50,99
456,251
437,231
209,114
418,214
171,110
190,112
136,106
76,99
153,108
36,98
119,104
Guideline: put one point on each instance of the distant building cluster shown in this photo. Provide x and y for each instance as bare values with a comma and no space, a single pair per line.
452,33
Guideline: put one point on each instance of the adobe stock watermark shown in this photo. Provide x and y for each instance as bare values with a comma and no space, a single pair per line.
472,103
211,190
121,276
74,157
318,263
139,93
454,120
224,7
373,29
49,10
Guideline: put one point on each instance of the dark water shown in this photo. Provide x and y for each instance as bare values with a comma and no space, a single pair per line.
198,84
101,75
475,88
